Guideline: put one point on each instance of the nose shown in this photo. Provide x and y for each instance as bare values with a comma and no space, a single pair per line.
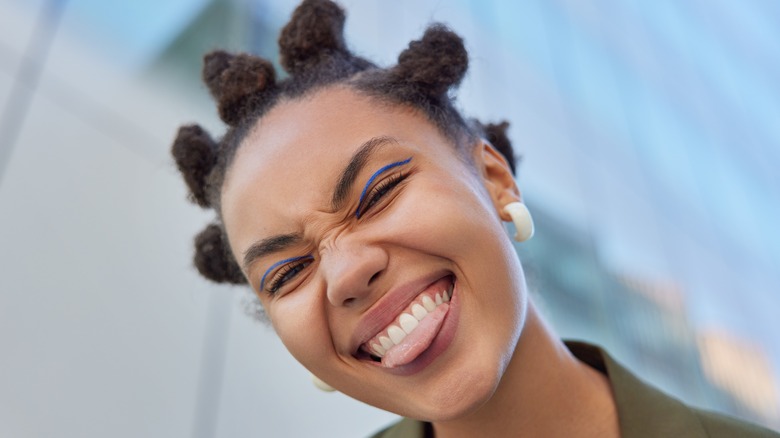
351,268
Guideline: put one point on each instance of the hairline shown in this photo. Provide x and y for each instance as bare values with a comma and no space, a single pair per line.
461,137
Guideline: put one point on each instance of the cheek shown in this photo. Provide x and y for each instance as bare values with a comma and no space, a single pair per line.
299,322
442,213
458,223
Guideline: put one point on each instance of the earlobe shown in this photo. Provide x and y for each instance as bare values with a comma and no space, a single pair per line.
497,177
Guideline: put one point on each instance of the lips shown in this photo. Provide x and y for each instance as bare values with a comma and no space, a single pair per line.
413,329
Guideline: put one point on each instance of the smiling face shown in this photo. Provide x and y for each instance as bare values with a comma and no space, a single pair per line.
352,216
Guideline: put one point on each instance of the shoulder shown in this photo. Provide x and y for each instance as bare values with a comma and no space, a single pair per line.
712,425
404,428
645,411
722,426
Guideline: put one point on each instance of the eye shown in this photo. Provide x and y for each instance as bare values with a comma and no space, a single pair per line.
369,198
379,191
288,271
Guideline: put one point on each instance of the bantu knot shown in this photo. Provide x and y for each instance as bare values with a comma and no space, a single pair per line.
496,135
195,153
237,82
315,32
436,62
213,259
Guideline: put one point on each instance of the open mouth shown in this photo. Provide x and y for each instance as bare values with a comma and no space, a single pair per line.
413,330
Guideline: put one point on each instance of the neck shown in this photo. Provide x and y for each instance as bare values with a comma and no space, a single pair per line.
545,391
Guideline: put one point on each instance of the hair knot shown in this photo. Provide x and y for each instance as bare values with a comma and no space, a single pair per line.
314,34
213,259
436,62
237,82
195,153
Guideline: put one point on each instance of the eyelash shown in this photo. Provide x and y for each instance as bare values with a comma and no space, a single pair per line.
287,273
379,191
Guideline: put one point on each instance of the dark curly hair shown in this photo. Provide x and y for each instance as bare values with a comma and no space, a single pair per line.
315,55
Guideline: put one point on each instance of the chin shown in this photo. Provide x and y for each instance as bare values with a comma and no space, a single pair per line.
465,385
457,396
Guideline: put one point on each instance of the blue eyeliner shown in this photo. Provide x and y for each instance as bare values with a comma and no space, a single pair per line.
373,177
281,262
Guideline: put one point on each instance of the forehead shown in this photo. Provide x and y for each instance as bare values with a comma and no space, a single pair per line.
288,164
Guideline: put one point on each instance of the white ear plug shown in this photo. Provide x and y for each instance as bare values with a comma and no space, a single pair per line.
524,223
321,385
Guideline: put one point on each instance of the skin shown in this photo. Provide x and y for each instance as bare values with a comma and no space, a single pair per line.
503,368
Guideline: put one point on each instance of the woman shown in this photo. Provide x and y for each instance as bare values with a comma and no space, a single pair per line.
367,215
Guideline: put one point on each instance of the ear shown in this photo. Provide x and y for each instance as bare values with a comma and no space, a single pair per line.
497,177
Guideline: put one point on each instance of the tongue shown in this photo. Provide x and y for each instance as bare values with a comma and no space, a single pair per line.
418,340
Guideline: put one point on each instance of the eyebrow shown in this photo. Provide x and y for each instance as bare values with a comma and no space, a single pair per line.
344,185
269,246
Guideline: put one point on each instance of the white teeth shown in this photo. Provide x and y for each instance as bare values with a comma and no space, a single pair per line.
419,312
396,334
378,349
408,322
428,303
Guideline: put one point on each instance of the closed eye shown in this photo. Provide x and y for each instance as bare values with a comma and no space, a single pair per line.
287,270
369,198
380,191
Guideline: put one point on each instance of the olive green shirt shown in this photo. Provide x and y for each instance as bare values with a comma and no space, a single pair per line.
643,411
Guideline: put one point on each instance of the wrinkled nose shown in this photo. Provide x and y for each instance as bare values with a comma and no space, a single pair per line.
351,269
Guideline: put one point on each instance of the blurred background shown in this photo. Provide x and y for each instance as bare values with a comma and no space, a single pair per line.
650,135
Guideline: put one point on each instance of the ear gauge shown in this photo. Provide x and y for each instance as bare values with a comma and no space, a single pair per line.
524,223
436,62
237,82
321,385
213,259
195,153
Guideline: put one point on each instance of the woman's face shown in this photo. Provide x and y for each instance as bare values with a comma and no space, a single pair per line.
348,218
